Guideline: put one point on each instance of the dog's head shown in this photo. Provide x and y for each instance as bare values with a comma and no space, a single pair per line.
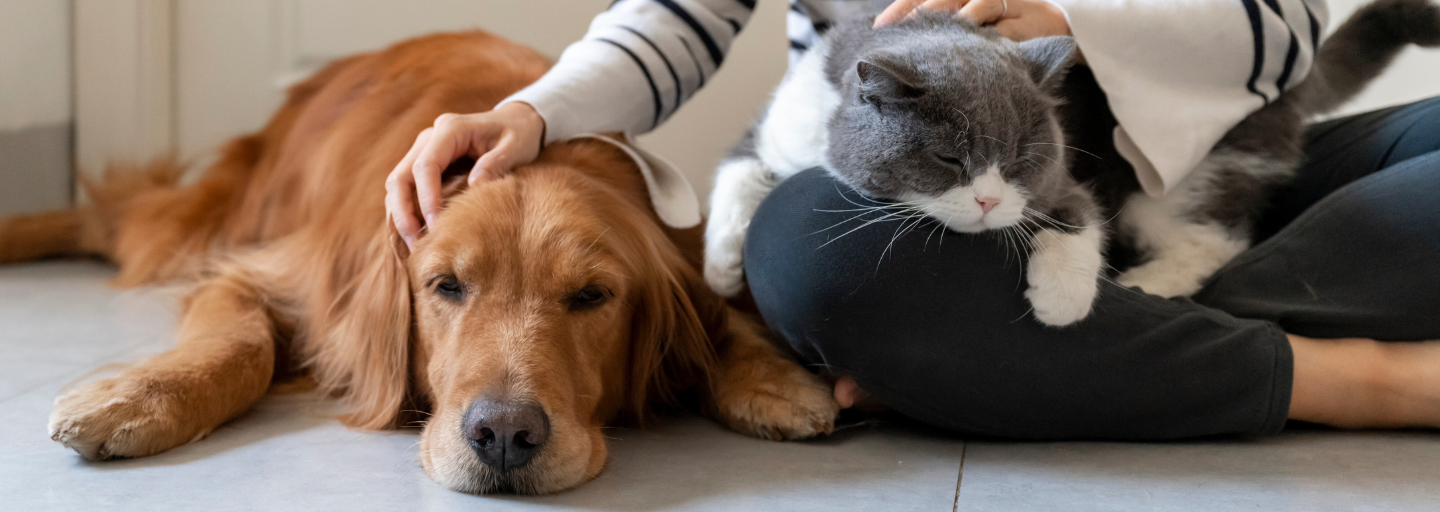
543,306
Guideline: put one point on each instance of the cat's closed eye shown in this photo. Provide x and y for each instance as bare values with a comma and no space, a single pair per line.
950,160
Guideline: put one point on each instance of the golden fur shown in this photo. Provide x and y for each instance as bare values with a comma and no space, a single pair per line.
297,269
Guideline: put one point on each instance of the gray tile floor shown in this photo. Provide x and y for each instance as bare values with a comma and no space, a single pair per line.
58,322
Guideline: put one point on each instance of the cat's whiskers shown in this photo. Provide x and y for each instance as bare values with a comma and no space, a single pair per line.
1051,220
1047,157
902,211
1030,239
1003,144
1097,157
938,226
876,202
1019,253
1005,238
967,119
901,231
884,218
1013,244
843,222
1036,166
863,209
1061,225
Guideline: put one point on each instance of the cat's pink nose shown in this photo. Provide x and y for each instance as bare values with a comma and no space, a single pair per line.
987,203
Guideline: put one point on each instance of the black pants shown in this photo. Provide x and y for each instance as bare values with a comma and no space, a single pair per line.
935,325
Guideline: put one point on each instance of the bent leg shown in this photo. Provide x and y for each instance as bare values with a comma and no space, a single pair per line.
1343,150
935,324
222,364
1349,248
1361,262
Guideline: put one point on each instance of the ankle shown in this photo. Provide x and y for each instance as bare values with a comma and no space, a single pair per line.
1351,383
1406,377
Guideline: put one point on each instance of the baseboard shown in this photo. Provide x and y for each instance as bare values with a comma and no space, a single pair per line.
36,169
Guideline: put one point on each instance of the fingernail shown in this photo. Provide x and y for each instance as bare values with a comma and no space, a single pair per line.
430,221
409,242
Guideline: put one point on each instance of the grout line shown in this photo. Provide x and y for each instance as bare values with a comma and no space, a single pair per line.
955,506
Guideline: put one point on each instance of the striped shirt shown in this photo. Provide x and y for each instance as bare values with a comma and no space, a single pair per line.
1178,73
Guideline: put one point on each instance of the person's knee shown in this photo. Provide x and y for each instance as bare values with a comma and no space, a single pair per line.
793,274
835,276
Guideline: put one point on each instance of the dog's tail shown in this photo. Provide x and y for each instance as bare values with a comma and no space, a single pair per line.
88,230
1363,47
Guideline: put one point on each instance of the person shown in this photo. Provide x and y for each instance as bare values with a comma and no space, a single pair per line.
1288,330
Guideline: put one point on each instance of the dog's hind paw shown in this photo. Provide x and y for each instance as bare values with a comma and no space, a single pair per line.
116,418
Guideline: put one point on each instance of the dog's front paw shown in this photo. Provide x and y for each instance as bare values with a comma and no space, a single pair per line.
1063,274
118,418
799,406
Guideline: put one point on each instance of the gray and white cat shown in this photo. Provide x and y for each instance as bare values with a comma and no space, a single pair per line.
951,120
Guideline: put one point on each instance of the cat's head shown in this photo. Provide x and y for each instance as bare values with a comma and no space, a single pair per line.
954,119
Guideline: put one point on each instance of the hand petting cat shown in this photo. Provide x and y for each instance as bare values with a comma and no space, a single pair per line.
1017,20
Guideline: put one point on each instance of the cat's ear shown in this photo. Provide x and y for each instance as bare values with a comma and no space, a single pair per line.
885,78
1049,58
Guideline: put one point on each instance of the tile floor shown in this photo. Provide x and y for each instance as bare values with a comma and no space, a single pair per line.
58,322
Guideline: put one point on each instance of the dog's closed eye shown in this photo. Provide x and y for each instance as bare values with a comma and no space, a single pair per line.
449,287
589,297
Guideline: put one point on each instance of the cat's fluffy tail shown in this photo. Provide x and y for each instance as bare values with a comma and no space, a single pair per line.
1363,47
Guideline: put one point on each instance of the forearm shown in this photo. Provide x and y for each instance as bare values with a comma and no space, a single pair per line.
636,65
1180,73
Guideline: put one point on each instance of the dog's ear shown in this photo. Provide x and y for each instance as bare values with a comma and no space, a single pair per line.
456,177
674,325
368,331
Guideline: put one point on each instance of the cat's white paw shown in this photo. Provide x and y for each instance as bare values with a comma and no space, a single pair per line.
1165,277
1063,274
1183,253
724,260
727,279
740,185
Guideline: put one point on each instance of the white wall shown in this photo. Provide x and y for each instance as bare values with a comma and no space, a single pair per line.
35,113
34,63
234,56
1413,76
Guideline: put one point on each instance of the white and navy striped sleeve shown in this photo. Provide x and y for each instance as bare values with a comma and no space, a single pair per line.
1181,73
639,61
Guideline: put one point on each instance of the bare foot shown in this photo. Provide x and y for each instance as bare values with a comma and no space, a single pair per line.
848,392
1362,383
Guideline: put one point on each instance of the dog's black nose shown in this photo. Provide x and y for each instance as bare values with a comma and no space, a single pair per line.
506,434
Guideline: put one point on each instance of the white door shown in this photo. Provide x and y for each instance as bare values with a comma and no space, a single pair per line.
232,60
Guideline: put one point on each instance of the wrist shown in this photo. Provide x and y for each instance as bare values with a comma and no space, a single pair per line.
527,120
530,119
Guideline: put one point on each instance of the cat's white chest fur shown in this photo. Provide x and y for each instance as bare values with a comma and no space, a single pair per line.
793,136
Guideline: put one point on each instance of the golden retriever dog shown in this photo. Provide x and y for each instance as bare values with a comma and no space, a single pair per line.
545,305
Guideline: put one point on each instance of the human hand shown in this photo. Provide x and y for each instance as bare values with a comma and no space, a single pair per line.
499,140
1017,20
